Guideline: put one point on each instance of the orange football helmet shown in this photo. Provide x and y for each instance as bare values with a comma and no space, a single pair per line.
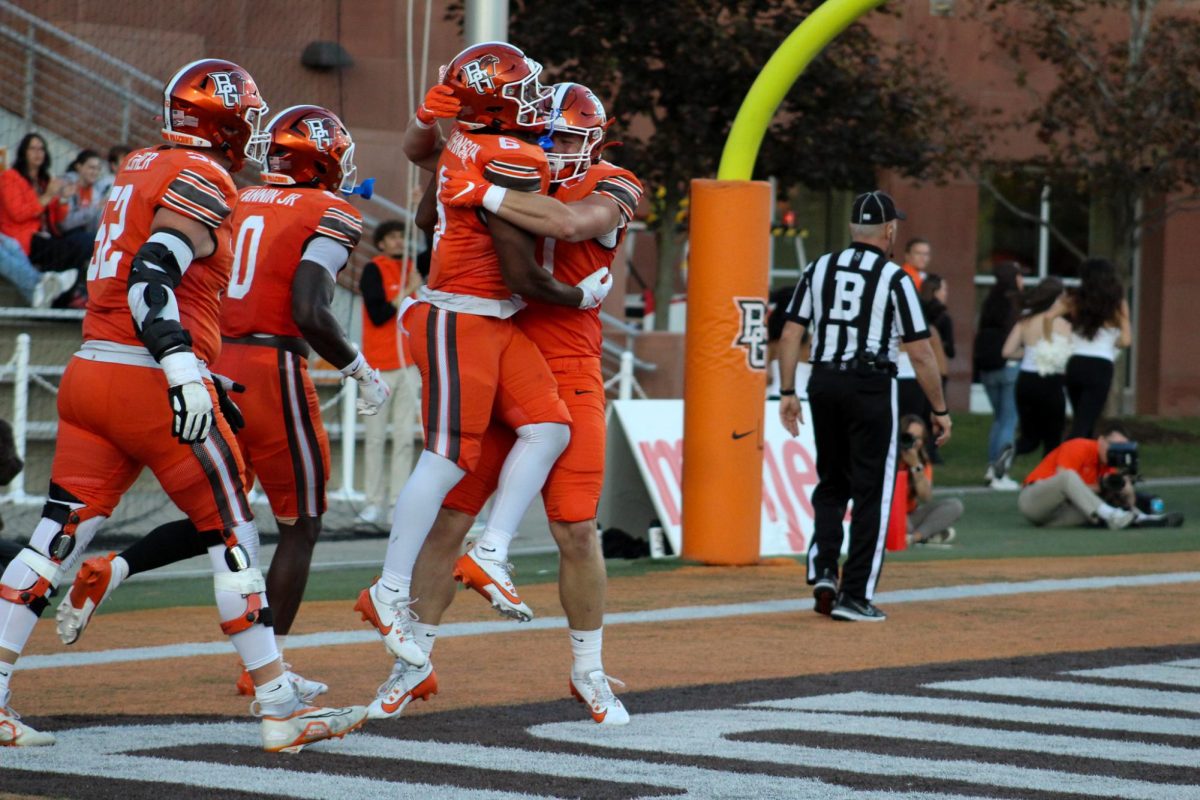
309,145
215,103
575,111
498,88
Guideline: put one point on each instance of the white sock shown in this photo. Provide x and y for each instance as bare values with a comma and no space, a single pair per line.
6,671
280,641
120,571
416,509
426,636
1106,512
277,698
392,587
493,544
585,647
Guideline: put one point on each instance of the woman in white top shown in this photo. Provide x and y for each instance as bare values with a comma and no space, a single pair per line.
1099,319
1043,344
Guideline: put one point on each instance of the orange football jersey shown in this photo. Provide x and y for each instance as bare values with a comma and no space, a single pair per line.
561,331
271,228
187,182
464,260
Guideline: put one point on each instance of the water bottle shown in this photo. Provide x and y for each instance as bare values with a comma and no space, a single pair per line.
1156,505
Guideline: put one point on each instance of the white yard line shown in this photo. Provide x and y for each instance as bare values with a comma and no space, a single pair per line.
672,614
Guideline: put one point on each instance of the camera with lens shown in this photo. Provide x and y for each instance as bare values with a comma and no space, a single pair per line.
907,441
1123,457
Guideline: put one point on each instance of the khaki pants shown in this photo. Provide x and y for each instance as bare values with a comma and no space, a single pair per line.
1061,501
934,517
402,410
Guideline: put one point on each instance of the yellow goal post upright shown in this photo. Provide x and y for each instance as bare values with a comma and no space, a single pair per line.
725,348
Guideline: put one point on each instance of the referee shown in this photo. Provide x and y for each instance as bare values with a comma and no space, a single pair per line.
859,307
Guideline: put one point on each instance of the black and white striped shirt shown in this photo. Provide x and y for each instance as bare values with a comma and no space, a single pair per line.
857,302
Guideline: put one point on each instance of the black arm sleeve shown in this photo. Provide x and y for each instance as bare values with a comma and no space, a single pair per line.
379,310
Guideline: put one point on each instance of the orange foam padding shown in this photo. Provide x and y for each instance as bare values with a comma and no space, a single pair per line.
897,535
725,371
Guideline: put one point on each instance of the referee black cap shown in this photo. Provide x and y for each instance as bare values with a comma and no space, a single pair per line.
874,208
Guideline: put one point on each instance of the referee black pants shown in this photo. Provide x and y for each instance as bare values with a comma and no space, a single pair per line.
854,425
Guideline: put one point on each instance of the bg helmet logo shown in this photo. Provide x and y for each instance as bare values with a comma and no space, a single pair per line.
318,133
225,88
476,73
752,330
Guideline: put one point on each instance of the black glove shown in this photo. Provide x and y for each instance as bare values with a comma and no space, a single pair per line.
229,409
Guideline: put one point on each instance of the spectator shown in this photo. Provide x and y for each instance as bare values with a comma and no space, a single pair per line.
917,254
1063,490
386,280
999,377
116,156
26,191
77,210
1099,318
1043,344
934,293
38,289
929,520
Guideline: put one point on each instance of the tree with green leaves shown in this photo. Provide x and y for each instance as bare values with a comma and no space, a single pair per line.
1122,120
674,73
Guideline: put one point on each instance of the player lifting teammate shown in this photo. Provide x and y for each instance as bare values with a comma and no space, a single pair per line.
137,393
582,226
290,240
474,361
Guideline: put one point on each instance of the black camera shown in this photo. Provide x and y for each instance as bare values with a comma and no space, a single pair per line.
907,441
1123,457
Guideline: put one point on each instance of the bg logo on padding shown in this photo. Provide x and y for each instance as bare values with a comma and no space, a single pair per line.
752,330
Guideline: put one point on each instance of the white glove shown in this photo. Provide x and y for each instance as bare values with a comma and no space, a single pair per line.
595,288
372,391
190,401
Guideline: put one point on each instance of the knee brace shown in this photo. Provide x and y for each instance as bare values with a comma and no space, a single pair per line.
250,585
65,530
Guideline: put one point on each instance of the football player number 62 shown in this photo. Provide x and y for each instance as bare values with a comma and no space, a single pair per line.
105,257
245,254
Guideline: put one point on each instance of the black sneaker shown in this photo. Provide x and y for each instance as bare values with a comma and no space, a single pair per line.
850,609
825,592
1173,519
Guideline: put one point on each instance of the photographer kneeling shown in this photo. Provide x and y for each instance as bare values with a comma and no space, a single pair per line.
1085,481
929,520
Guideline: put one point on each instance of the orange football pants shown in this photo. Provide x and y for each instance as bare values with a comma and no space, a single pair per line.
115,419
284,442
572,491
472,367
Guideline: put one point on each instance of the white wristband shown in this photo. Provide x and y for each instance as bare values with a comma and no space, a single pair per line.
354,366
182,367
493,197
423,126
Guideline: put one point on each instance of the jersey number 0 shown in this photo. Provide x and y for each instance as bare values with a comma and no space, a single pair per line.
245,256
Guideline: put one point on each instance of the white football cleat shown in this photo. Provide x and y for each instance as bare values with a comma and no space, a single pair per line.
306,725
594,692
394,623
306,690
493,580
14,733
93,585
405,684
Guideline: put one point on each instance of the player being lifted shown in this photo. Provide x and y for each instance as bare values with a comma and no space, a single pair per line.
137,393
582,226
290,240
474,361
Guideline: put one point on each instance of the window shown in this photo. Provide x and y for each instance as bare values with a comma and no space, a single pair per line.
1005,235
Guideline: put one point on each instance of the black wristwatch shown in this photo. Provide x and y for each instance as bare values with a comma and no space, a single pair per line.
787,392
945,413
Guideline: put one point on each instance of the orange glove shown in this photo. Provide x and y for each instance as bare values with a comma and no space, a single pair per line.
461,189
439,103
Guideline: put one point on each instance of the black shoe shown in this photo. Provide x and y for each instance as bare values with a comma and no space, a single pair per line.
850,609
1173,519
825,592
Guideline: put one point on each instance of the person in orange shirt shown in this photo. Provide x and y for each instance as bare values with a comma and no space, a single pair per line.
138,394
386,280
1063,490
917,254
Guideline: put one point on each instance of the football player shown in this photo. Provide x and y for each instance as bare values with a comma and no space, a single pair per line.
582,225
474,361
138,394
291,238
